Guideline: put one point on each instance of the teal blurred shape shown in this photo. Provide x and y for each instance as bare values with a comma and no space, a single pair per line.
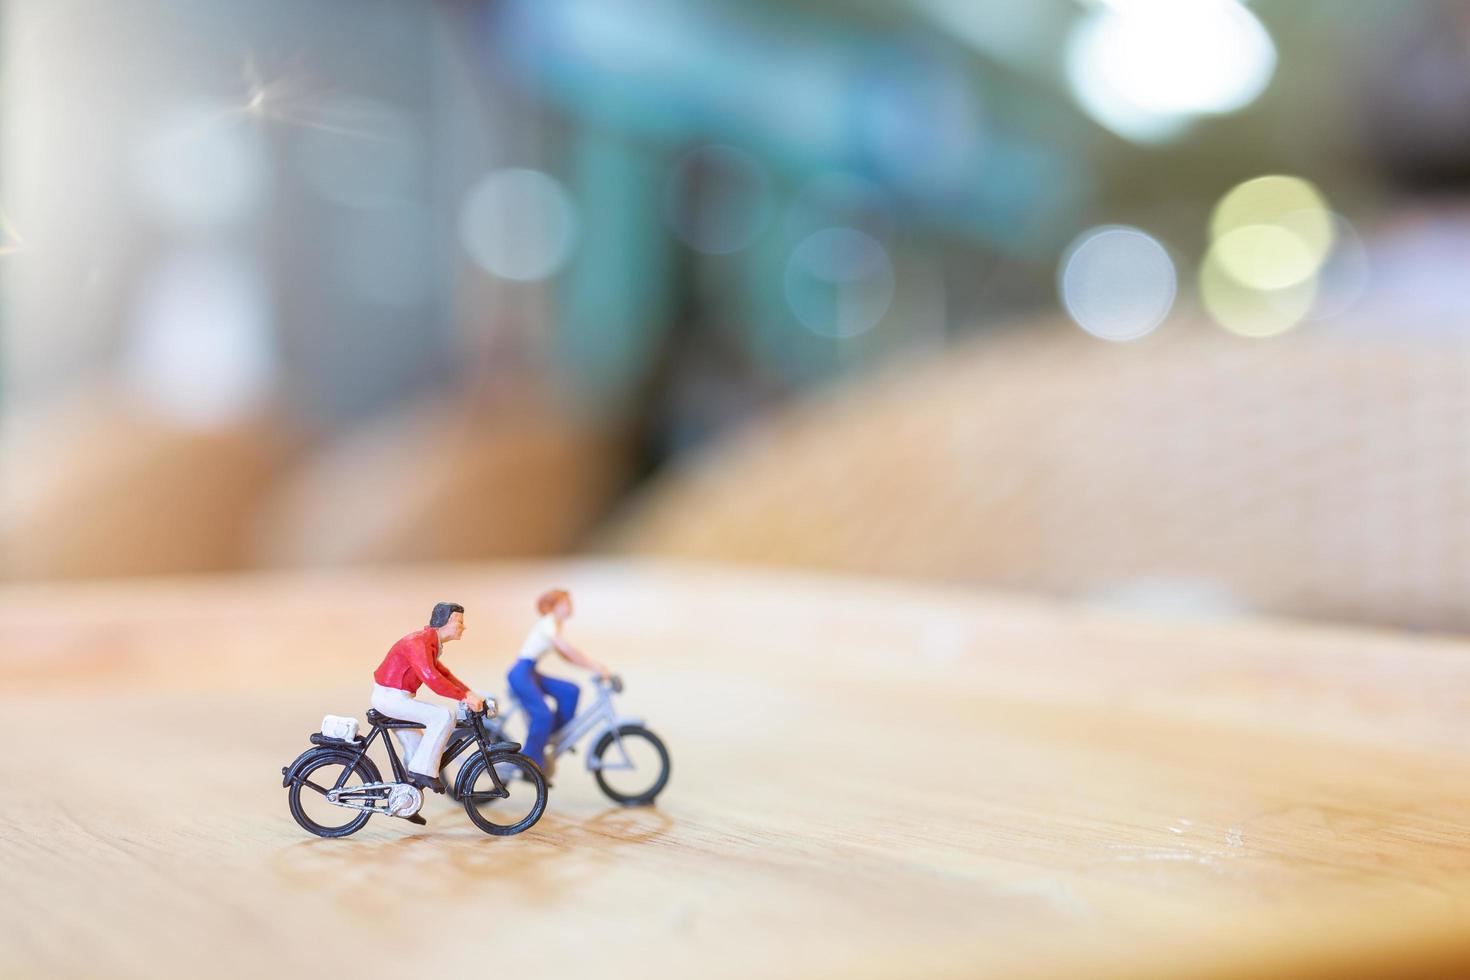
614,301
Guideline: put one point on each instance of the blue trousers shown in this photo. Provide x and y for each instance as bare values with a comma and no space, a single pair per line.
531,690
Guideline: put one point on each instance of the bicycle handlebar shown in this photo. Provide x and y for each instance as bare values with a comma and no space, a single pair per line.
488,708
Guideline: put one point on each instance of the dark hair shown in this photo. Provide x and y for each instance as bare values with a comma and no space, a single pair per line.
442,612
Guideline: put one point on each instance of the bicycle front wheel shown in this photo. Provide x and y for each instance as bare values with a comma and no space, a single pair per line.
631,765
503,816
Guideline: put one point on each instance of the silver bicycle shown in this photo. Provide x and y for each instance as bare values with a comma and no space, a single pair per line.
629,762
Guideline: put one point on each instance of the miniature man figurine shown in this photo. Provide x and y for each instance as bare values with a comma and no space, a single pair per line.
412,661
531,688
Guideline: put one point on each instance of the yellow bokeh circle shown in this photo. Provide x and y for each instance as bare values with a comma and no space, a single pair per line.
1290,204
1248,311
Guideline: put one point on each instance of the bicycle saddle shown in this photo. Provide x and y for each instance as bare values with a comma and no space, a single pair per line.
376,717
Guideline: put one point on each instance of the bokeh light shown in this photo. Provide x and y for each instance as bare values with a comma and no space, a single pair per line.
1144,68
1270,237
1273,199
518,224
718,199
1117,283
1288,230
202,166
839,282
1266,256
201,351
1246,310
1345,275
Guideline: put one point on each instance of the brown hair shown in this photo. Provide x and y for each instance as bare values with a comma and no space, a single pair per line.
550,598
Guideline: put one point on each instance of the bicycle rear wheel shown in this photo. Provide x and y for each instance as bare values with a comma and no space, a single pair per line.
503,816
308,794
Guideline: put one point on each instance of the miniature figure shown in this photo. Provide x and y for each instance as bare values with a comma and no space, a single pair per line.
639,768
532,688
414,661
340,775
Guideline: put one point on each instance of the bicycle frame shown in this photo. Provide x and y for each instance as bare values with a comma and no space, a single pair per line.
465,735
598,717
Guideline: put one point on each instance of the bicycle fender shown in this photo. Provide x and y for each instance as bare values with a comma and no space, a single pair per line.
291,773
496,749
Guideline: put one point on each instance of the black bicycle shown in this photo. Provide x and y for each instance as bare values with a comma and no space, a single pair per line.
336,777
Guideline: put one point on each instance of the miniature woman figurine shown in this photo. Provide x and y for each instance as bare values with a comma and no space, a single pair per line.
412,661
532,688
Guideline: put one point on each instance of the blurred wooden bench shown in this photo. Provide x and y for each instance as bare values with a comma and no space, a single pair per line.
1324,473
95,485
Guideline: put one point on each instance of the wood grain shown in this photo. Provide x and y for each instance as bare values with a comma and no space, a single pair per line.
869,780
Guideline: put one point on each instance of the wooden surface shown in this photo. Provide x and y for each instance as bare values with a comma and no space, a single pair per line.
869,780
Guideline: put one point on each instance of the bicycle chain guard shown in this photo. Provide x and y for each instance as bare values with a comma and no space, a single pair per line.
403,800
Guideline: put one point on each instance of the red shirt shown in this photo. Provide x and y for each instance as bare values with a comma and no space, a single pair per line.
414,660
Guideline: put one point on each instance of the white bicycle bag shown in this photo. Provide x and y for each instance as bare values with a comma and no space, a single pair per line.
335,726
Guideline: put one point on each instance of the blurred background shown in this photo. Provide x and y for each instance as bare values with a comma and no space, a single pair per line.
1154,303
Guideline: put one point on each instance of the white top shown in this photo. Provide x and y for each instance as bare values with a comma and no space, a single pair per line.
542,638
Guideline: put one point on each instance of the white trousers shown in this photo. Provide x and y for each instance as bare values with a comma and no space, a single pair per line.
421,750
